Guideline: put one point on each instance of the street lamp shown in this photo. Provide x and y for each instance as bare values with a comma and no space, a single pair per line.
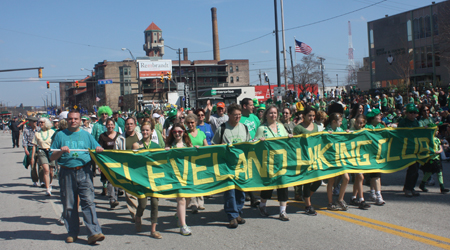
134,59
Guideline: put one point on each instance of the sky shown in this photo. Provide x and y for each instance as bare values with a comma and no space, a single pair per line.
65,36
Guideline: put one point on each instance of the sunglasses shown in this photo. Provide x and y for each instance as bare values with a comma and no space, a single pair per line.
41,122
413,113
286,113
179,132
201,115
182,117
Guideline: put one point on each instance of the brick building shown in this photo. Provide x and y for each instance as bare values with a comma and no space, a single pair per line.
407,48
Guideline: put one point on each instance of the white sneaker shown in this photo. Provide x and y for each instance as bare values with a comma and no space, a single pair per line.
379,202
185,230
372,197
48,193
35,184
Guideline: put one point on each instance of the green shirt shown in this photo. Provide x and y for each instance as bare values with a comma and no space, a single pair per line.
300,129
231,135
252,123
384,102
152,145
198,140
130,140
425,121
266,132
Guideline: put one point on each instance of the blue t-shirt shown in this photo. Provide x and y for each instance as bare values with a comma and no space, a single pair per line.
74,140
206,128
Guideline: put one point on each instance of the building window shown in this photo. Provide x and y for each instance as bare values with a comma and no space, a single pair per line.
429,57
237,68
204,80
231,68
409,30
372,45
237,78
204,69
427,26
210,79
437,56
417,58
231,79
435,25
416,29
421,27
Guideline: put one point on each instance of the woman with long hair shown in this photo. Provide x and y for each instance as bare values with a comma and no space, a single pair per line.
308,126
41,147
203,126
198,138
147,129
271,128
108,140
289,125
179,138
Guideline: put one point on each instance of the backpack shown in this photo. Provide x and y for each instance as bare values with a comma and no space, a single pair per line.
222,131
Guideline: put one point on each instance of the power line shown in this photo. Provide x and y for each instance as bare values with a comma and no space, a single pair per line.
298,27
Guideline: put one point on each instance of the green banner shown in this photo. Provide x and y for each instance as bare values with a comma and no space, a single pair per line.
270,164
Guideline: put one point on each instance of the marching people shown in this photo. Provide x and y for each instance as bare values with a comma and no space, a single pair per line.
179,138
232,132
334,124
15,126
412,174
27,142
308,126
215,119
203,126
41,146
109,140
198,138
147,130
100,127
271,128
75,178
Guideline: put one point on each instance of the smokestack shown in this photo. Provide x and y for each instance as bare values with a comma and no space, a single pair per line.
215,31
185,54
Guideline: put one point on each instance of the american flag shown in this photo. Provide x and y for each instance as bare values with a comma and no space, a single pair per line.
302,48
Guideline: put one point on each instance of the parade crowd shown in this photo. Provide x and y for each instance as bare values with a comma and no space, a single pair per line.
51,145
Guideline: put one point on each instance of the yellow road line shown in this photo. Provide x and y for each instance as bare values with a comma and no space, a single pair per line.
408,233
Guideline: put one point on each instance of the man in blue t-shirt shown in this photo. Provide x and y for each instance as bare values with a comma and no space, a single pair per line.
75,178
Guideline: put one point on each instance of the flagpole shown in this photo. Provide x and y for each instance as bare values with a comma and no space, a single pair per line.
295,53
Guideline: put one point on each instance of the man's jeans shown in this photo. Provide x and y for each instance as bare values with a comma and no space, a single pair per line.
74,183
233,203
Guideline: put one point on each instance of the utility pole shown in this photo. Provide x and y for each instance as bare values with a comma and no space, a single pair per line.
321,69
196,87
284,47
277,46
292,69
337,80
260,81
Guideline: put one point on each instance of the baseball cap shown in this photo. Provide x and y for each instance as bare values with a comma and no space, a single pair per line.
156,115
410,107
221,105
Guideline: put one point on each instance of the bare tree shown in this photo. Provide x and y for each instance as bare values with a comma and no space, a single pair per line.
307,72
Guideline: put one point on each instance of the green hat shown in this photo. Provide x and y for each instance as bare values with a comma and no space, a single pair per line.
172,113
394,114
431,125
390,117
262,106
119,112
45,116
255,102
269,101
214,109
140,115
410,107
373,113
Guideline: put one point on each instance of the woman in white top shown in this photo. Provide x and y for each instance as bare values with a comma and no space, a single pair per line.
41,146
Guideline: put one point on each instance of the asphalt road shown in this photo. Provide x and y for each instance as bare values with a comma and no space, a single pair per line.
29,219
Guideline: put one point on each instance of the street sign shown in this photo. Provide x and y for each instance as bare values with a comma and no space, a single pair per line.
75,107
105,81
213,92
279,91
180,86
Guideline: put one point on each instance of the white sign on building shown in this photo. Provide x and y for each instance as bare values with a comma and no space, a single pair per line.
149,69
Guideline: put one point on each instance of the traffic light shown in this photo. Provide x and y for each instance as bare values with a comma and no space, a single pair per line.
76,84
48,84
40,73
169,75
162,77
